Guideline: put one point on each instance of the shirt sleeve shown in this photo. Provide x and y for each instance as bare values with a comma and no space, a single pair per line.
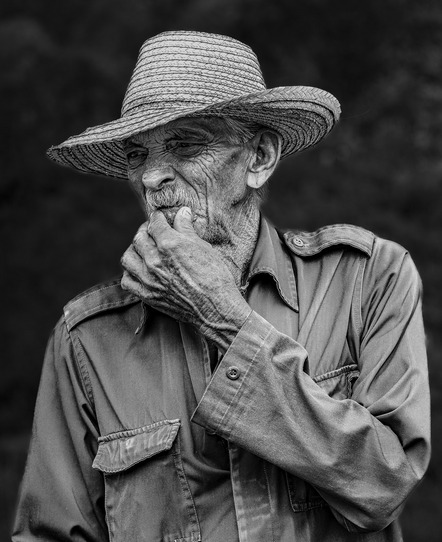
364,455
61,497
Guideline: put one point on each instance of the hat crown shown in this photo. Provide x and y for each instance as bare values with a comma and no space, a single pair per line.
192,68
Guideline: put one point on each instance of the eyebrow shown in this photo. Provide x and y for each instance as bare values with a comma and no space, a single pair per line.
131,141
181,130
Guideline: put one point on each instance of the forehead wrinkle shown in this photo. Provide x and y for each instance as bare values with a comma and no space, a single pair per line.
209,127
192,127
149,137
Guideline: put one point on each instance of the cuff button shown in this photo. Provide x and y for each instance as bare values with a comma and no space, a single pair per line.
233,373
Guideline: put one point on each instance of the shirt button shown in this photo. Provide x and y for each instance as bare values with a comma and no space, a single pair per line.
233,373
298,241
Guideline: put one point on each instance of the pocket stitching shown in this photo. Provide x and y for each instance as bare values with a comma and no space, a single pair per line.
168,445
162,447
303,505
335,372
137,431
191,509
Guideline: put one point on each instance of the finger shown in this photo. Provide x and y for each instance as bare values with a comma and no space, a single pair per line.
144,227
158,226
183,221
143,231
132,261
142,241
129,283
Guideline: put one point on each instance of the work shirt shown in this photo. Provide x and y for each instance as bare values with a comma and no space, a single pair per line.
313,426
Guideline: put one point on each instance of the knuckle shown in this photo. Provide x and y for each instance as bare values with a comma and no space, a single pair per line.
123,282
143,229
126,258
168,244
138,239
126,281
150,228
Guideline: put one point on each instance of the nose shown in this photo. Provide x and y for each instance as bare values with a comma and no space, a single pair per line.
155,178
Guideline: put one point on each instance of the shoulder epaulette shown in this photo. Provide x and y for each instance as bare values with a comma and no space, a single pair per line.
311,243
102,297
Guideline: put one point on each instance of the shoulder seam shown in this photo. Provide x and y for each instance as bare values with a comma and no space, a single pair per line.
84,373
94,301
90,291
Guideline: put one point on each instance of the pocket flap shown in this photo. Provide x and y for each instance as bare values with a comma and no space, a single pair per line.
120,451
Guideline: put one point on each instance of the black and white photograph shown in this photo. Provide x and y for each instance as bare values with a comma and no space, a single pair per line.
222,271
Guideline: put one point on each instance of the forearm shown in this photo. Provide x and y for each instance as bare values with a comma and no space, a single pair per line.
276,411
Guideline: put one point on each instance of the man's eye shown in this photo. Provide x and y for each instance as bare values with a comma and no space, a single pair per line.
185,144
136,156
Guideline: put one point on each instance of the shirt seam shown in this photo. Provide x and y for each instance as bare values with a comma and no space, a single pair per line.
269,497
72,321
81,364
127,433
94,291
359,321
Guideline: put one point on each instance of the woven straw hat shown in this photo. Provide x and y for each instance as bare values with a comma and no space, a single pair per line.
184,73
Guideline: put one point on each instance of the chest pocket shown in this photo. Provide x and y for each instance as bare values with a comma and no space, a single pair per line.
146,491
339,382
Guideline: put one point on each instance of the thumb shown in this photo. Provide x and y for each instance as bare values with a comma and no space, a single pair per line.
183,221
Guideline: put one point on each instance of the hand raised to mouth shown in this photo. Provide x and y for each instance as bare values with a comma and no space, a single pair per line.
176,272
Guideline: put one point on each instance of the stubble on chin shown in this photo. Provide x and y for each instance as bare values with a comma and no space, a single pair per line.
214,231
216,227
169,213
217,233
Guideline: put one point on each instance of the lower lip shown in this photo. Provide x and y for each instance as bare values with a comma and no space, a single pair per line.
176,208
173,208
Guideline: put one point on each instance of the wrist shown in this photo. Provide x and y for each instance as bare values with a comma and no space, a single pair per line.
223,330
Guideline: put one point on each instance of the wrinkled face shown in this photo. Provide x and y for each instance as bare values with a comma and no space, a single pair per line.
192,162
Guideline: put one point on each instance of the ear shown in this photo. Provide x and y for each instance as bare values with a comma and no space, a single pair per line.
266,153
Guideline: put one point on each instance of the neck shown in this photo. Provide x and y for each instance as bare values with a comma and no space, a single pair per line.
239,250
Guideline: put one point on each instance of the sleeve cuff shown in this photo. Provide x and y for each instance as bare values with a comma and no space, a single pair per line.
220,404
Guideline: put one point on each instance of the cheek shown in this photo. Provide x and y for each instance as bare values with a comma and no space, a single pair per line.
136,184
198,175
217,181
230,186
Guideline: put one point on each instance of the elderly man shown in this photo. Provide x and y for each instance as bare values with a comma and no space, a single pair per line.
239,384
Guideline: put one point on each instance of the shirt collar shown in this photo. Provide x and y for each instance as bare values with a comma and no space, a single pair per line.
271,257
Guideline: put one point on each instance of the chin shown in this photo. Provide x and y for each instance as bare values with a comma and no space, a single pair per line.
217,234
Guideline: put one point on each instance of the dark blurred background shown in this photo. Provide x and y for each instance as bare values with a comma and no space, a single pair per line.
65,66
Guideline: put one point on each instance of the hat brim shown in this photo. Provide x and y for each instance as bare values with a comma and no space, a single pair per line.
301,115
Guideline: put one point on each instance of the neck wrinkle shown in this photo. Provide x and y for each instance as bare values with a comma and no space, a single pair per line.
238,253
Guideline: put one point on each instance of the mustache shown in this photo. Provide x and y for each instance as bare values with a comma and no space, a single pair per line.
170,197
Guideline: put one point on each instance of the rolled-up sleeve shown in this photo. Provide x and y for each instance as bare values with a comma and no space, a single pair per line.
364,454
61,496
